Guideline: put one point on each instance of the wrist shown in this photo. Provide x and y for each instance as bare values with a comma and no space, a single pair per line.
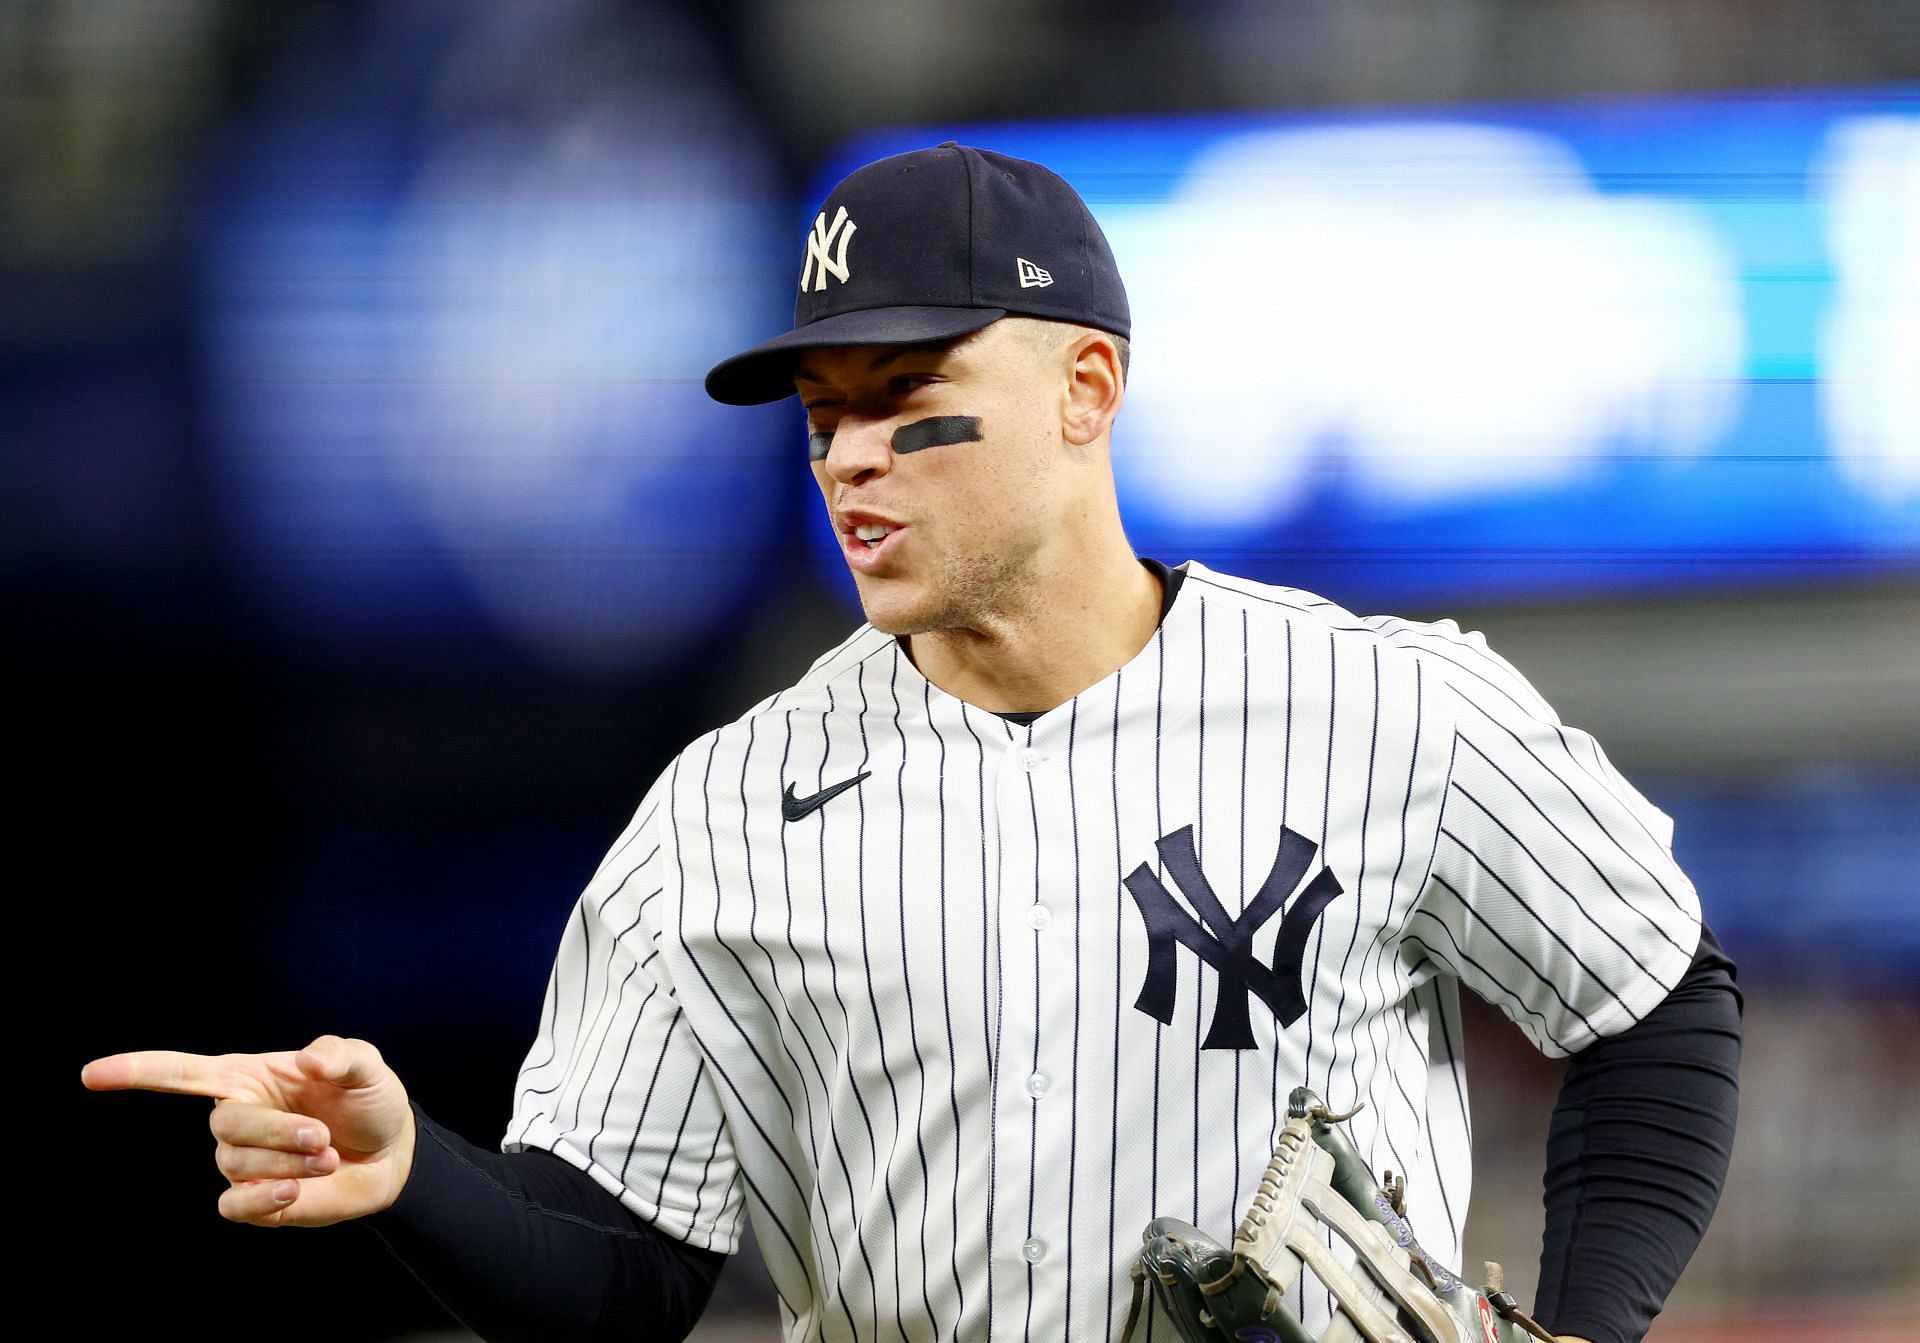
398,1166
404,1150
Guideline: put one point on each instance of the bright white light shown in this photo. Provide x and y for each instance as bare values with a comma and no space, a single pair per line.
1871,392
1438,312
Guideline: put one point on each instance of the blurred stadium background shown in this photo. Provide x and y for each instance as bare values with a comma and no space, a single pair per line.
370,544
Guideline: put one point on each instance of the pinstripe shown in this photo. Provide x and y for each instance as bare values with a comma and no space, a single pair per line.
1073,1075
599,1012
885,1171
906,979
1546,874
833,1130
946,1002
833,980
679,1133
1033,1110
1457,956
1573,793
1160,828
626,1052
579,1034
1598,871
549,1011
1378,950
989,1018
997,997
653,1081
1545,925
736,1073
1439,1015
746,1038
809,1128
642,825
1286,779
1326,822
1246,730
1200,811
1359,898
767,1070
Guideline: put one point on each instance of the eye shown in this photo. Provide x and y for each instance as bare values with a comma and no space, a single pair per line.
910,382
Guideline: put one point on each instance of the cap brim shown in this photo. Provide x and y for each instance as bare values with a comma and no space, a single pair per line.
765,373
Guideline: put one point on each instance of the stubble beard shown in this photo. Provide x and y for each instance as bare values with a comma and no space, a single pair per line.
974,594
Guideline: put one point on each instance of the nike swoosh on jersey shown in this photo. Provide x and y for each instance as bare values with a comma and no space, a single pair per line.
793,808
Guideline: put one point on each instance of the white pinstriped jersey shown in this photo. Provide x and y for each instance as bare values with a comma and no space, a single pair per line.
916,1033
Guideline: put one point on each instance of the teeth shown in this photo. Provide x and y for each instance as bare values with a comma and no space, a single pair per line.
872,532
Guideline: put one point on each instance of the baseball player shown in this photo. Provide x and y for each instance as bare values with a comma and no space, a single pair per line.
1011,925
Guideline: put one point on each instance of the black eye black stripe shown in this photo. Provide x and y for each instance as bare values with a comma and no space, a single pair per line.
937,431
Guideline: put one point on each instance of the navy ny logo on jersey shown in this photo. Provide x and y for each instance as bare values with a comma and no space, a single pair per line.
1229,947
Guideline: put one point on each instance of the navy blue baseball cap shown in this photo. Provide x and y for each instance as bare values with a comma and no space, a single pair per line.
930,246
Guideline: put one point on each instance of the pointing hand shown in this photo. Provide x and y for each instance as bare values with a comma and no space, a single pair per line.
306,1139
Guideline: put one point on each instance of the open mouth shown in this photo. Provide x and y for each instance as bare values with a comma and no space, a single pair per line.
867,540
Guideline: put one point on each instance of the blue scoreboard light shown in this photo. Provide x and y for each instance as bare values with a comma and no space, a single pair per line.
1513,352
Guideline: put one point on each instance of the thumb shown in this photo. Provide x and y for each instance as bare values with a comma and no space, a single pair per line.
342,1063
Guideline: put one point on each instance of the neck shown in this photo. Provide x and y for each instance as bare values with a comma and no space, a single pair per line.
1078,627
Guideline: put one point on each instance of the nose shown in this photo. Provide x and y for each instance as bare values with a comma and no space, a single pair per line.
860,451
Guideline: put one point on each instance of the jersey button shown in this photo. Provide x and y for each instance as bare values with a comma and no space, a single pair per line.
1031,759
1039,916
1037,1085
1034,1250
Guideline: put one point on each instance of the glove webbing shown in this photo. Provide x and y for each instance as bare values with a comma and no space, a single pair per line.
1317,1186
1281,1233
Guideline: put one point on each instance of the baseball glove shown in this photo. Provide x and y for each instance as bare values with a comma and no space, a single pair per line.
1317,1187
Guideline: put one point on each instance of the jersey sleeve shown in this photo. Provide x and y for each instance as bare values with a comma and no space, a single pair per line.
1553,892
615,1083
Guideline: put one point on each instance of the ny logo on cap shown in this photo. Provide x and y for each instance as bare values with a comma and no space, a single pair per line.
1031,276
819,241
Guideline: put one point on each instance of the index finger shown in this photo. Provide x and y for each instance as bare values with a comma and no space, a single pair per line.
160,1070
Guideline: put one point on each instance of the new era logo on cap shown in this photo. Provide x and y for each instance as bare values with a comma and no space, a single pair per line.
819,241
1031,276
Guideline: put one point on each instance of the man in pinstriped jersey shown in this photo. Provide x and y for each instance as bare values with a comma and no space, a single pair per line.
1011,924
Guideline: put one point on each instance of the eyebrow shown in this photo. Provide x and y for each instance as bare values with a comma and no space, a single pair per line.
880,361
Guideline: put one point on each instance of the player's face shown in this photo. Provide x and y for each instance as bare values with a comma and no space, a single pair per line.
943,471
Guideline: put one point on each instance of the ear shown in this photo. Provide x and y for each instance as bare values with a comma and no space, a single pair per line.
1094,388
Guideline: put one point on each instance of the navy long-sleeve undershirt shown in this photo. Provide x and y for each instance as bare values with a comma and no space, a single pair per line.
1637,1152
522,1245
